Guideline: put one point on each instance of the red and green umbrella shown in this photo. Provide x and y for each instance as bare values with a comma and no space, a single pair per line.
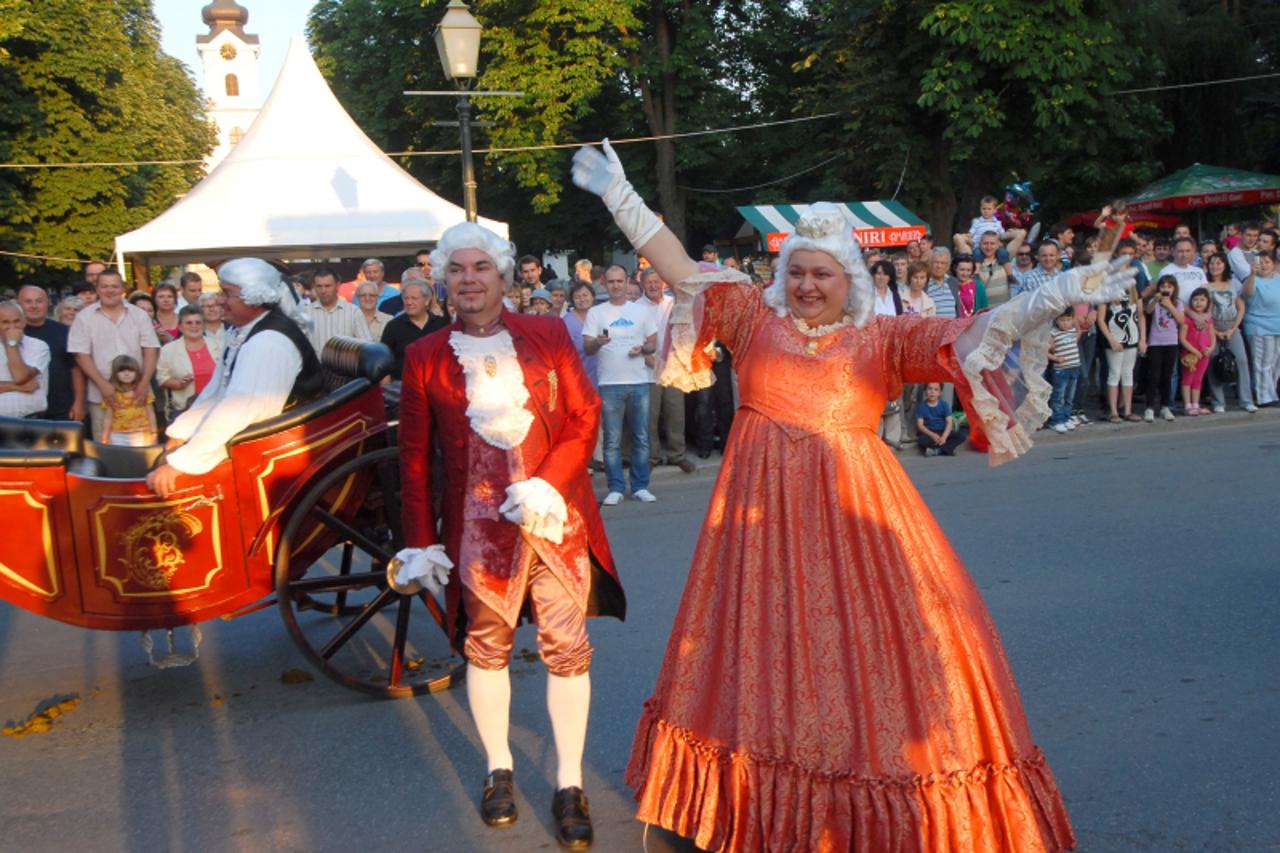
1206,186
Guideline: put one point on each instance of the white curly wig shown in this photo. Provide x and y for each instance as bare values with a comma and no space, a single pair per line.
261,284
470,235
825,227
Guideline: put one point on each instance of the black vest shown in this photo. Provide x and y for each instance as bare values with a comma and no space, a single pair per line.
309,383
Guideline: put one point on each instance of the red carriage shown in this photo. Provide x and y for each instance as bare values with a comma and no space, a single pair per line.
304,514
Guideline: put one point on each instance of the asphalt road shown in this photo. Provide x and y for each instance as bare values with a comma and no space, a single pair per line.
1132,572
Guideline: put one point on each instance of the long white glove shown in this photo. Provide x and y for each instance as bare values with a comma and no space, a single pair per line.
603,175
415,569
535,505
1030,311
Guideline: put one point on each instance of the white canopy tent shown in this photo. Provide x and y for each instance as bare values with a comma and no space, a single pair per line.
304,182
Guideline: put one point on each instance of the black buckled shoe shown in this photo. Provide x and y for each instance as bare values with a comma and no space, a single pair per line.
573,819
498,802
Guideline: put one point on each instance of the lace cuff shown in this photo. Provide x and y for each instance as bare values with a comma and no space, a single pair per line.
684,362
1003,381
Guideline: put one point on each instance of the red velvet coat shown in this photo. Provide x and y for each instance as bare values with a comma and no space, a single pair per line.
433,405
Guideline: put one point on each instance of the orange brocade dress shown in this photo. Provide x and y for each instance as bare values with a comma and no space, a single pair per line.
833,680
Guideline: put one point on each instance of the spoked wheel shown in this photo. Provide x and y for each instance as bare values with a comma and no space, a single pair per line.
339,609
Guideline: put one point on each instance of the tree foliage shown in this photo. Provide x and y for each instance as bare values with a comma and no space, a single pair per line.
953,98
941,102
561,54
83,81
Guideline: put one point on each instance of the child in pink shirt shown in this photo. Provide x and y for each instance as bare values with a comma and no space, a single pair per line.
1196,338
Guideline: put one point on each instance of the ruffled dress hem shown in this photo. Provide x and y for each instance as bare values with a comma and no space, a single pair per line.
725,800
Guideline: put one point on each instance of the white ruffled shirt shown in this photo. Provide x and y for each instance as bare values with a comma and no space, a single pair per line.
496,394
496,398
230,404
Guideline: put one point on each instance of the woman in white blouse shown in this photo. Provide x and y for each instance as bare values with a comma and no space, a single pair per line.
186,365
367,302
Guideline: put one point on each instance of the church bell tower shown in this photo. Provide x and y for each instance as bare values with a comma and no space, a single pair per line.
230,59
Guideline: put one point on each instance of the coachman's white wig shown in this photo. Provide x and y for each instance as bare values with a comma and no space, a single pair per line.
826,228
261,284
470,235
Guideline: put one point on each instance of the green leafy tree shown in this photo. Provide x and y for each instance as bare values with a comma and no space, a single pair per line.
83,81
1231,124
561,54
951,99
558,53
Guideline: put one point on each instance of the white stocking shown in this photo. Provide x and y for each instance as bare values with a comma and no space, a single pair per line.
569,703
489,695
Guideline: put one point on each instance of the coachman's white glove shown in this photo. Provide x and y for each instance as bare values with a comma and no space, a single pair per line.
603,175
415,569
1030,311
535,505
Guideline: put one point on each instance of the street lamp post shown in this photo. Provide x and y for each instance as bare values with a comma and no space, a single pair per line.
458,43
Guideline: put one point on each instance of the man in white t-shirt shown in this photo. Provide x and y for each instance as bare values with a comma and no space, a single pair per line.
620,334
1184,268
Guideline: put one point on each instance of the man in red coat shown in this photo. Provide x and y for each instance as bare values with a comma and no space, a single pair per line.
507,401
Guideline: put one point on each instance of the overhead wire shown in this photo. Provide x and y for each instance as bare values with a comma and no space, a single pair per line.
623,141
630,140
766,183
80,261
1197,85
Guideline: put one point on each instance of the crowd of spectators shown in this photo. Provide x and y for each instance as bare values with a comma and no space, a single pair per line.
1200,329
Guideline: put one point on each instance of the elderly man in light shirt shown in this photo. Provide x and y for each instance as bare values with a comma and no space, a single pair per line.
331,316
268,364
666,404
24,370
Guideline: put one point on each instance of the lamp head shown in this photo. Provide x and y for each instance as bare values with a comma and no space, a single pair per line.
458,42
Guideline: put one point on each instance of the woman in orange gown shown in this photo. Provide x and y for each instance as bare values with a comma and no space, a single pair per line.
833,680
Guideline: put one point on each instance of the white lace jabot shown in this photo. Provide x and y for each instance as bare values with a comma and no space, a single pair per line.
495,388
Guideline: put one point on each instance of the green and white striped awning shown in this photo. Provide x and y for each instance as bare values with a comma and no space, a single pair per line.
876,223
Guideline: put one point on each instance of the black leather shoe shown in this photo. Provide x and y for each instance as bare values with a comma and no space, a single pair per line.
498,802
573,819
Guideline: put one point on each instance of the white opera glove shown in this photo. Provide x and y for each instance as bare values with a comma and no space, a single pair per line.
603,175
1030,311
536,506
420,568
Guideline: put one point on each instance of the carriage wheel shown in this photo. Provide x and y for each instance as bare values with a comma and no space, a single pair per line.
381,642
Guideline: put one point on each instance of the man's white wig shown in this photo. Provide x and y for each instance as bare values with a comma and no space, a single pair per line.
261,284
825,227
470,235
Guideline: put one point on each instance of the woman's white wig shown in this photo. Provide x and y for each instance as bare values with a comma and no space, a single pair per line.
470,235
261,284
825,227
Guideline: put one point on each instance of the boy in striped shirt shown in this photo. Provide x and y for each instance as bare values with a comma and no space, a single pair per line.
1064,355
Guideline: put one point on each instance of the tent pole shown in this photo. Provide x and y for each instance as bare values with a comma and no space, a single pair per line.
141,273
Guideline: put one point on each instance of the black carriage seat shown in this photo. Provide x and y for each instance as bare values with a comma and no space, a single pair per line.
344,359
31,434
115,462
350,367
32,443
28,442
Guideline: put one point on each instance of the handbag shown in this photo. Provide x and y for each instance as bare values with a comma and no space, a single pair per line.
1224,367
1190,360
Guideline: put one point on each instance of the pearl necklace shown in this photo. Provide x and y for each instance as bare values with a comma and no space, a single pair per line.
819,331
815,332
